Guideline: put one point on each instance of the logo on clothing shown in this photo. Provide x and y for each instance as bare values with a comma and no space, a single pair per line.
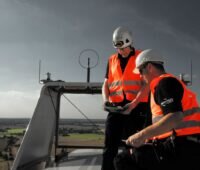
167,101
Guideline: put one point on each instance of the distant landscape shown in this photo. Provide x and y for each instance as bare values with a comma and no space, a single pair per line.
25,121
67,125
71,133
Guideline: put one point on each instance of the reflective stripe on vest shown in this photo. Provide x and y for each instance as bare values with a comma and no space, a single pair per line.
127,83
116,93
191,121
115,83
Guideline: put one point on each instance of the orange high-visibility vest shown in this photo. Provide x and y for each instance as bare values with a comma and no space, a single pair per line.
191,110
127,83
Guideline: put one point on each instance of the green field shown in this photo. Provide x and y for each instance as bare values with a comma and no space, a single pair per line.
87,136
13,132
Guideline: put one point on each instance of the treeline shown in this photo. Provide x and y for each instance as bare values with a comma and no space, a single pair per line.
24,121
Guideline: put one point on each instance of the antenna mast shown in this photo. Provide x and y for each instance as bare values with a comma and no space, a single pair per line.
39,71
191,73
48,75
88,67
182,78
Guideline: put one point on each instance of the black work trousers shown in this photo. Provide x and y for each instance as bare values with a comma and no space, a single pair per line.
118,127
181,154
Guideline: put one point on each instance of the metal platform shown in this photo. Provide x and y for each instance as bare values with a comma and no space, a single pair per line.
80,159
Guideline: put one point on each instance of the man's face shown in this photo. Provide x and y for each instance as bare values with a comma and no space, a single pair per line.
145,73
124,52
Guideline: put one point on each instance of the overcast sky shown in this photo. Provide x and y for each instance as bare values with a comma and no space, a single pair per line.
57,31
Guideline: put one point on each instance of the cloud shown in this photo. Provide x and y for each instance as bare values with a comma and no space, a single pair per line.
22,104
17,103
180,17
57,31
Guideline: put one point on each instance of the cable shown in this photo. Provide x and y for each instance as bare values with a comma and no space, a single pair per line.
82,113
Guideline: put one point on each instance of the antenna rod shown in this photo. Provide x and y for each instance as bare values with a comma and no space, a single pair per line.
88,71
191,72
39,70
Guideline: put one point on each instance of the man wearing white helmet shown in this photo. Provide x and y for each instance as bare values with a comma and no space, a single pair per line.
174,136
124,90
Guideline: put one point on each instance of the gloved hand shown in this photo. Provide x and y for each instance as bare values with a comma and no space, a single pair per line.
111,107
127,110
129,107
107,104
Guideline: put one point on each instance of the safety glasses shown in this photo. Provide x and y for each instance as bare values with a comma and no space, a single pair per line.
118,44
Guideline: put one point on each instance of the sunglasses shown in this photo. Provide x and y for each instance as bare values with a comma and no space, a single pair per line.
118,44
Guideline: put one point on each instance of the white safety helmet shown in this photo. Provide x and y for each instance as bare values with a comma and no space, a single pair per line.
148,55
122,38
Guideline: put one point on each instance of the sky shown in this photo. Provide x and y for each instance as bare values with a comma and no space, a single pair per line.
59,32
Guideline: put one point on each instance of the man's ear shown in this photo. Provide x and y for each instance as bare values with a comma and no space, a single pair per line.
149,67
